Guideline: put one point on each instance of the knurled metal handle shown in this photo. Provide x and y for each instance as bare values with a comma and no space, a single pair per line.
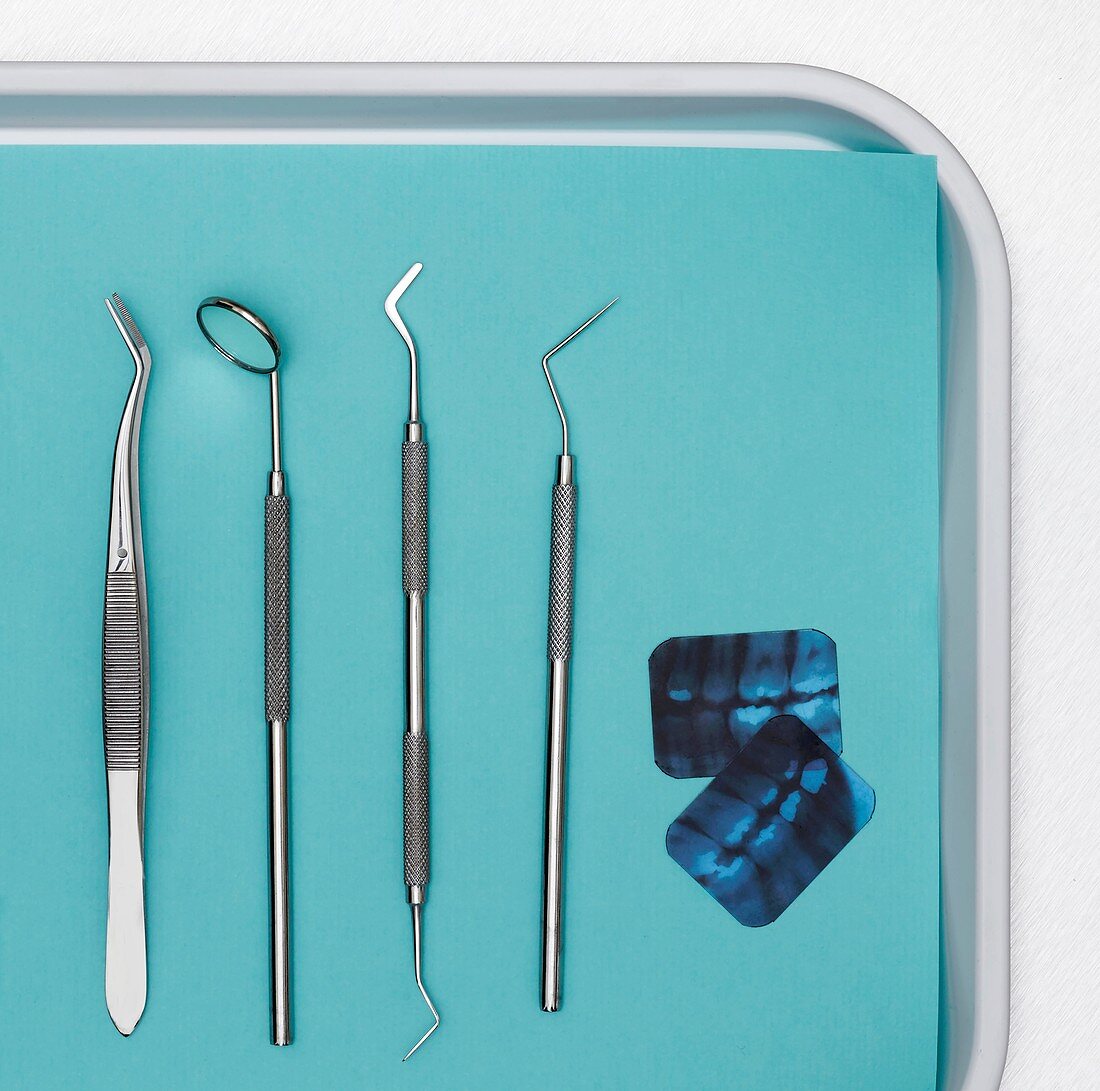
563,531
415,770
414,517
122,672
277,608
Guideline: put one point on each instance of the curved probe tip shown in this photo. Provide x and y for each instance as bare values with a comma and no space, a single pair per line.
398,291
420,985
429,1032
550,378
398,324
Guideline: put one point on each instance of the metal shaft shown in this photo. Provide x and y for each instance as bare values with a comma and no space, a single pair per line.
277,711
280,886
559,650
554,835
276,427
415,757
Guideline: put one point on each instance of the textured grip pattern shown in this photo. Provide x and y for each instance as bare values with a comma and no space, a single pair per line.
414,517
563,528
415,769
277,607
122,672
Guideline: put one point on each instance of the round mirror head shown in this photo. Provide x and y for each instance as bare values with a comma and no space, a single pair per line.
240,335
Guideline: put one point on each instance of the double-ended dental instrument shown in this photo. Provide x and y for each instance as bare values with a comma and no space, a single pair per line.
263,356
414,582
559,649
126,701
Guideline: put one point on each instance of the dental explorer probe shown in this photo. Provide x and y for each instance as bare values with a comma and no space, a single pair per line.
559,647
414,581
276,643
126,701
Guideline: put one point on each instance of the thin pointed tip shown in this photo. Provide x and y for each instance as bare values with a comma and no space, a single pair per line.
605,307
561,344
416,921
427,1034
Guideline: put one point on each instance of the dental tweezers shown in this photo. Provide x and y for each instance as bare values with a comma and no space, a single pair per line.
126,701
559,650
414,582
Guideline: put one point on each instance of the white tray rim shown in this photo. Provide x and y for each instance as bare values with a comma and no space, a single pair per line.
983,1068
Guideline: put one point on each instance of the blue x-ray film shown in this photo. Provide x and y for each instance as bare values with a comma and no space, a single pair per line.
711,694
771,822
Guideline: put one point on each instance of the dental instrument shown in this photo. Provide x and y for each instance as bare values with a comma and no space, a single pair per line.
126,701
559,648
414,581
276,639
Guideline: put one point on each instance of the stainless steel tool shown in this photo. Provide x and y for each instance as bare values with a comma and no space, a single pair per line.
263,359
126,701
559,649
414,581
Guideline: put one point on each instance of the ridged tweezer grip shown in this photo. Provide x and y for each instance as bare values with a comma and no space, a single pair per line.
122,672
415,769
414,517
277,607
563,529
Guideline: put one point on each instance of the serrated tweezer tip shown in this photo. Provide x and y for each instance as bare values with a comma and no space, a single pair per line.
125,322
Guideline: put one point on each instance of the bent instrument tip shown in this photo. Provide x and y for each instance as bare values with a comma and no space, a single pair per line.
550,378
420,985
135,342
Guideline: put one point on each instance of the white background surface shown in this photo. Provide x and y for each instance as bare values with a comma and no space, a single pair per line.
1016,87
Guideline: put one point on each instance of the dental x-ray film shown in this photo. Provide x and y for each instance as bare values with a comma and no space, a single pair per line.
770,822
711,694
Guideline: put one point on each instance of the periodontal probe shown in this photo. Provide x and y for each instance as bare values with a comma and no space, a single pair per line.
559,649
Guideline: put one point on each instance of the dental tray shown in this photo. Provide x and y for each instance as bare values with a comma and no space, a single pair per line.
769,106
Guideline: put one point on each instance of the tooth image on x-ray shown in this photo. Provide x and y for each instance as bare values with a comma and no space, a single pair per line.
711,694
771,821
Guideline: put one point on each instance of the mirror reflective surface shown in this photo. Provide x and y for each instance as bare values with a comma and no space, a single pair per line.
239,334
